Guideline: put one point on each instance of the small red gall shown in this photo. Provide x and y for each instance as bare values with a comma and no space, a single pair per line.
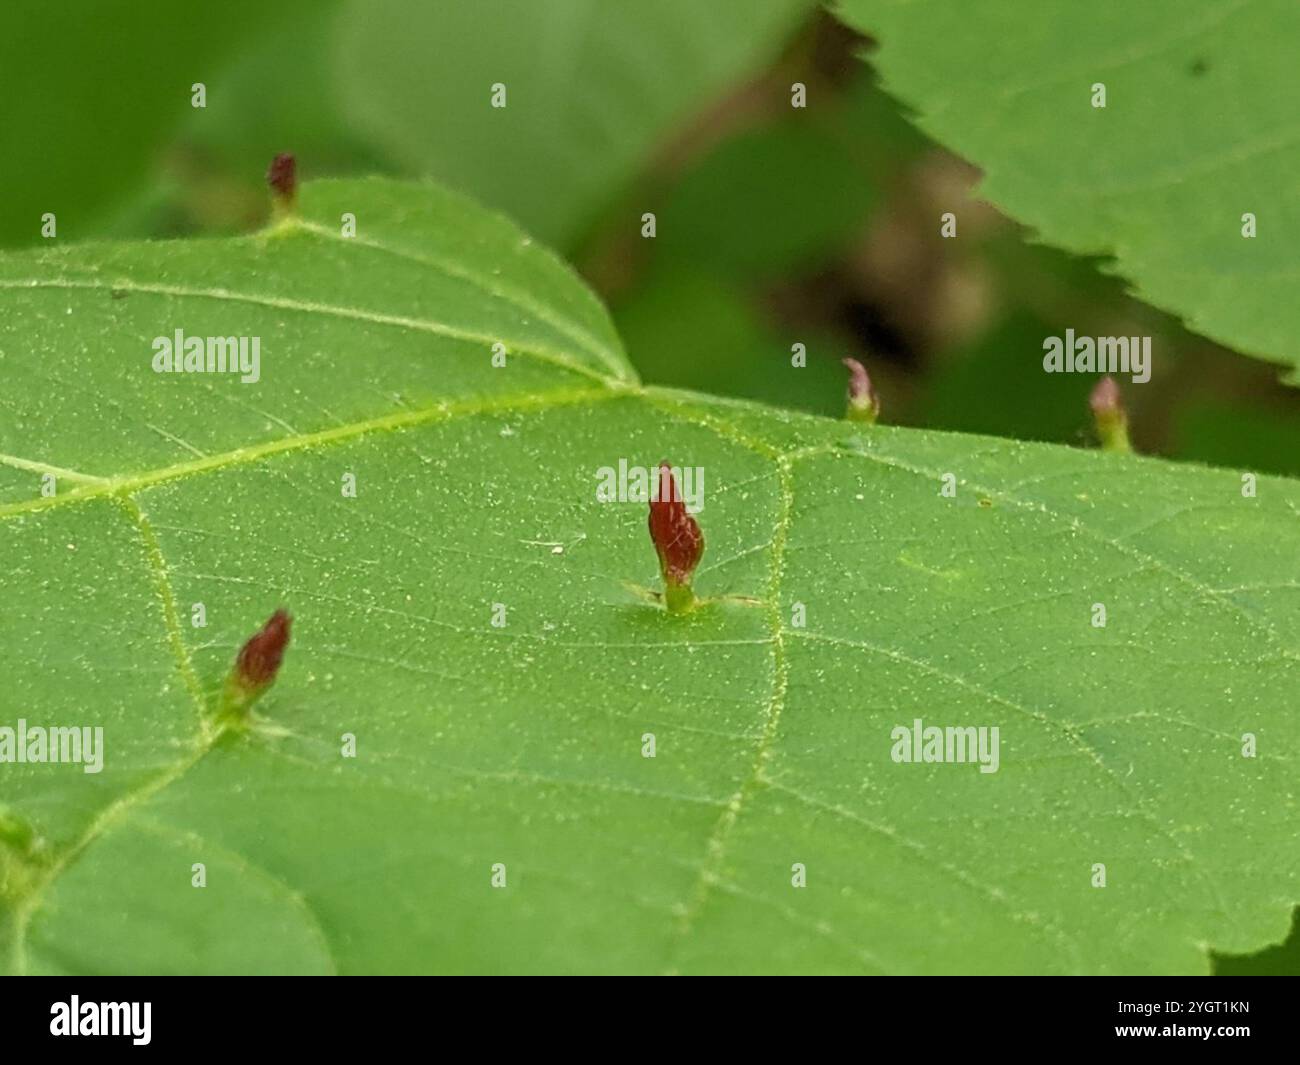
864,404
282,176
259,659
257,663
1104,398
1109,416
678,541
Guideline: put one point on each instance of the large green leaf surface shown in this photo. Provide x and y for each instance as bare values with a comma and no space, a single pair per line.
522,745
1199,128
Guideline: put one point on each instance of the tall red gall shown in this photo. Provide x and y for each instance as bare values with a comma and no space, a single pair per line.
257,665
1109,416
864,404
282,176
678,541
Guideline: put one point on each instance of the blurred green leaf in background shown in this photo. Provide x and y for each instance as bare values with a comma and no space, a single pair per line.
94,89
1197,129
591,89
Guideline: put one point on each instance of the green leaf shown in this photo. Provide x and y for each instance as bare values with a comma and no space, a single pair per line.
1198,130
590,90
522,745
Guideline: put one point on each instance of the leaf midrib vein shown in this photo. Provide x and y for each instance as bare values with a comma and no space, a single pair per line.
284,303
128,484
584,338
